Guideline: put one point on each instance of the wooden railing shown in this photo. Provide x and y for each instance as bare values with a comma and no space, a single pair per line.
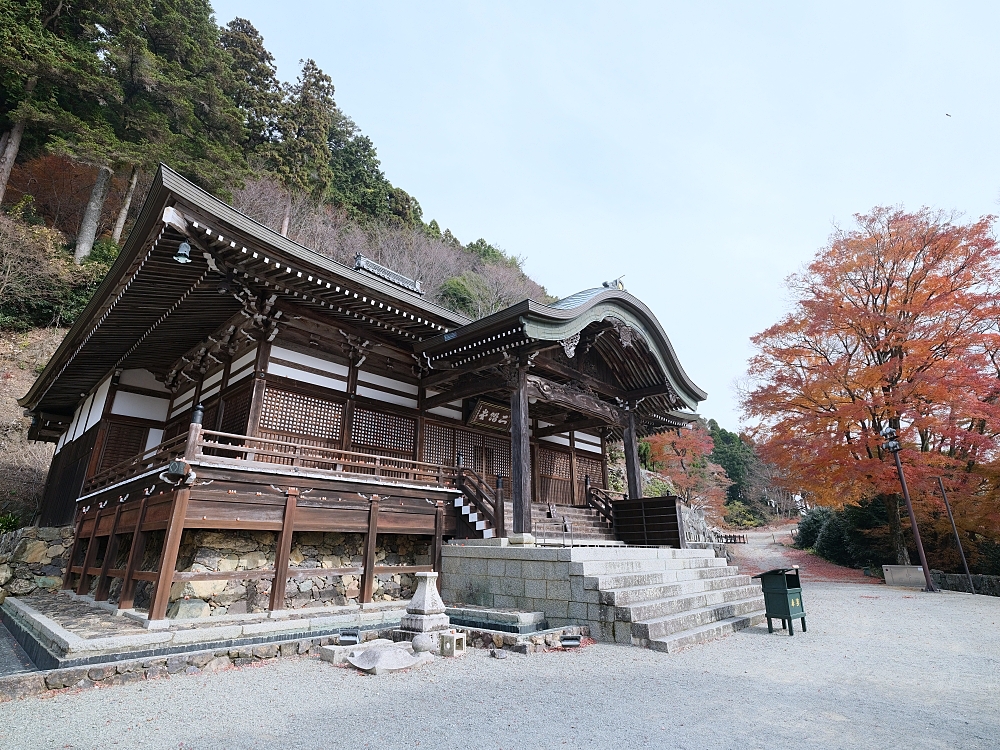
227,449
650,521
158,455
243,451
731,538
486,501
602,500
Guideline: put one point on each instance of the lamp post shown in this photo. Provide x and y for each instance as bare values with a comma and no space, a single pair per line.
892,445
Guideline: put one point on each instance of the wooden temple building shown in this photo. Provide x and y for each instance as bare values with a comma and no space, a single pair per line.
224,377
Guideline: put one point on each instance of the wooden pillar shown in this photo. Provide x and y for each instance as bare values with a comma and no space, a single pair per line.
438,540
284,548
500,531
88,560
168,558
68,575
575,499
110,553
632,468
135,554
259,385
520,455
604,459
348,418
368,572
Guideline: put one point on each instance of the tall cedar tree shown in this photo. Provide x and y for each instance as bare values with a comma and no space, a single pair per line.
301,158
255,88
48,60
894,324
166,78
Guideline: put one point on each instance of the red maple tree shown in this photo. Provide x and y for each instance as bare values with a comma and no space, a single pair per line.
893,324
683,456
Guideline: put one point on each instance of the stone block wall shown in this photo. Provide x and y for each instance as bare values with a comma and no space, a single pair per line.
33,558
533,579
985,585
224,551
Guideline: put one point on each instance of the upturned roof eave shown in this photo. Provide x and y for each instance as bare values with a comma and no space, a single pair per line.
168,187
548,323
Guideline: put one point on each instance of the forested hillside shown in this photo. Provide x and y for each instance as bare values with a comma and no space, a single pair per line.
95,93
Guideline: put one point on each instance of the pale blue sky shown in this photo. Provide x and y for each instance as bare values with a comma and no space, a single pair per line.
702,150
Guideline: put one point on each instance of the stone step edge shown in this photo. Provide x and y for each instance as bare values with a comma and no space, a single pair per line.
752,606
645,594
676,641
667,600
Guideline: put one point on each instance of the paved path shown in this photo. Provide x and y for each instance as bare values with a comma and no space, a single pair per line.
771,547
879,667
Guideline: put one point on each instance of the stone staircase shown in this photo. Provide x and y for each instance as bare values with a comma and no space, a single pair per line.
585,525
665,599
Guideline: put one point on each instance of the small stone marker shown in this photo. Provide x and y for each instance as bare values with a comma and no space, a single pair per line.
453,644
426,610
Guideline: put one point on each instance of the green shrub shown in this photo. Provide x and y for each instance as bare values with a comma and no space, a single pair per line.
834,541
9,522
739,515
810,526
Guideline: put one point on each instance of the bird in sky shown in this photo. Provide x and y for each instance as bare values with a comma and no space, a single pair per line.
946,114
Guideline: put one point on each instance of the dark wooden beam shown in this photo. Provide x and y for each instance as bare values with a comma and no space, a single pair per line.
576,424
168,557
283,550
439,377
574,399
633,470
520,454
608,389
368,574
464,390
653,390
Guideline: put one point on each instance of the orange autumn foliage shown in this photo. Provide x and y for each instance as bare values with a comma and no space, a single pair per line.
683,456
894,323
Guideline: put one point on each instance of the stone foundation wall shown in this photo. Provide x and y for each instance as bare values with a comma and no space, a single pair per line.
33,558
986,585
225,551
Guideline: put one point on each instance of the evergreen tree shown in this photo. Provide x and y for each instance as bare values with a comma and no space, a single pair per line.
48,59
255,88
300,158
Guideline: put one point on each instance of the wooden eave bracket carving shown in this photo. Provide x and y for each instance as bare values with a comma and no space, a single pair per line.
572,398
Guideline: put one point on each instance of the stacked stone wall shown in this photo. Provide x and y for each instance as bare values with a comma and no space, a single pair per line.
225,551
33,558
986,585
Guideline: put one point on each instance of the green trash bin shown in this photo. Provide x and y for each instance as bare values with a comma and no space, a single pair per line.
783,598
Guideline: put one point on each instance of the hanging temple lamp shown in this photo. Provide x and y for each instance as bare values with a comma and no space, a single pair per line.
183,254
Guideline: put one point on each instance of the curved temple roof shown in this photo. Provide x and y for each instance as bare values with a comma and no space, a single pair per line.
152,312
640,354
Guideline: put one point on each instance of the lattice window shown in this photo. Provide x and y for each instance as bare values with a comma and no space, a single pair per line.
554,477
553,464
498,455
123,441
391,432
590,467
298,414
211,413
439,444
236,412
466,444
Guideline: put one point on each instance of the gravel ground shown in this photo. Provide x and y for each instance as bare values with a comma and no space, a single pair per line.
879,667
771,547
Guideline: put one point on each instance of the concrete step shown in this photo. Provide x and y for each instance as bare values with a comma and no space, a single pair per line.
614,567
671,605
676,623
685,570
702,633
640,594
